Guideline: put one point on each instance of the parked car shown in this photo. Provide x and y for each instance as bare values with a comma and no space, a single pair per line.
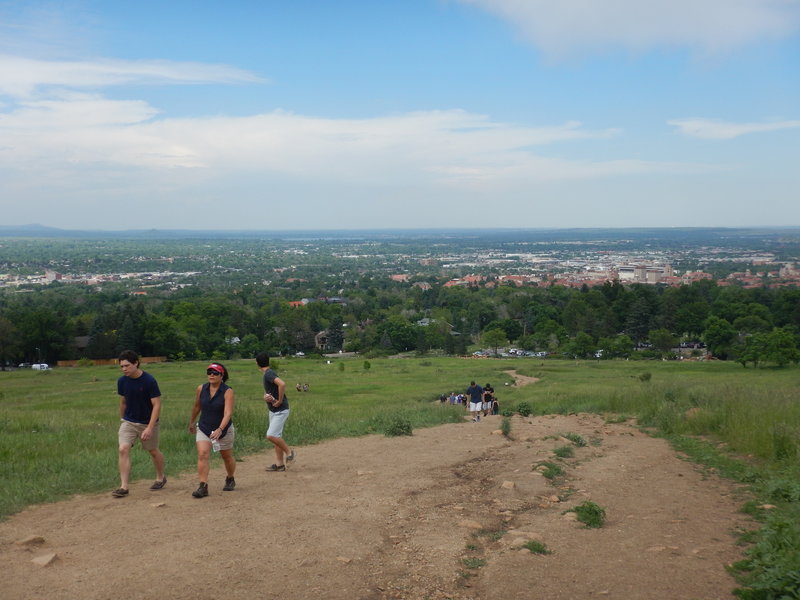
24,366
40,367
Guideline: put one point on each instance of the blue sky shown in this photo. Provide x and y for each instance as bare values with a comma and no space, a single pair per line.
344,114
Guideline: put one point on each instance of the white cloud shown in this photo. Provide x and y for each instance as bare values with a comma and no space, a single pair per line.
576,26
453,147
21,77
710,129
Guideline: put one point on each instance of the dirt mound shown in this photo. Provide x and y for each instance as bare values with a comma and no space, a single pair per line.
441,514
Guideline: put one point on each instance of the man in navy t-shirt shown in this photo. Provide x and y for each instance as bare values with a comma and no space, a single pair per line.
475,395
139,409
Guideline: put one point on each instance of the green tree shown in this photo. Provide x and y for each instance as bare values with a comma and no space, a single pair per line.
494,338
335,334
582,345
719,336
753,350
662,339
9,342
781,347
639,319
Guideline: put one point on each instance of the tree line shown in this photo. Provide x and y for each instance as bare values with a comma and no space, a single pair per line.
375,316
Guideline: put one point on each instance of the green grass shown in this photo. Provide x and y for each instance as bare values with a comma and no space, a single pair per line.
575,439
473,562
564,452
536,547
551,470
590,514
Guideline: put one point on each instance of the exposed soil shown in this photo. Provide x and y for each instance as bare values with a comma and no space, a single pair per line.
433,515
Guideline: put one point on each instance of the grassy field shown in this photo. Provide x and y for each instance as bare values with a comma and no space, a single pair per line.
59,427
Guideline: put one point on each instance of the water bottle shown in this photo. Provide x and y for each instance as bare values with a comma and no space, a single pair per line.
215,445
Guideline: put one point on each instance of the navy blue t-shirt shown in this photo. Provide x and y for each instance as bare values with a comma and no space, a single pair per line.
475,393
138,395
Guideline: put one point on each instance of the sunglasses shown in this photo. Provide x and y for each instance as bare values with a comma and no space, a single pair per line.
212,372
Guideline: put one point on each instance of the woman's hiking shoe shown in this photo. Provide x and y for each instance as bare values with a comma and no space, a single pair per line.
276,468
201,492
230,483
120,493
159,484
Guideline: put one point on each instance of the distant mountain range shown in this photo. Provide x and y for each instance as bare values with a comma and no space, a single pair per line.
673,234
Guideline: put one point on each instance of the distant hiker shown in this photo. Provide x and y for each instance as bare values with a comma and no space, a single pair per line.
488,396
213,401
475,396
278,405
139,410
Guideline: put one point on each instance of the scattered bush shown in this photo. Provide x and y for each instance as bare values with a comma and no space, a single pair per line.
551,470
398,426
524,409
536,547
505,426
590,514
367,365
646,376
564,452
473,562
575,439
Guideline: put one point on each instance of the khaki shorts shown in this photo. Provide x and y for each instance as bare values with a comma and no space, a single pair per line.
225,442
129,432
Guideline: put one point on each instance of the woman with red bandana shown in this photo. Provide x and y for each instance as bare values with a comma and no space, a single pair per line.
214,403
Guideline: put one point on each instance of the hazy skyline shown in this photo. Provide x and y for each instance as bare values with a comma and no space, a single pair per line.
380,114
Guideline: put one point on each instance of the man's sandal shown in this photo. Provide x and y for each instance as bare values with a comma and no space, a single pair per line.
159,484
120,493
276,468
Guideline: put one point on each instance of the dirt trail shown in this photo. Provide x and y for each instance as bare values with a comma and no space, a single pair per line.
433,516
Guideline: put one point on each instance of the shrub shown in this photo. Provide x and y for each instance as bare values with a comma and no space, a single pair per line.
505,426
524,409
575,439
564,452
367,365
551,470
398,426
536,547
473,562
646,376
590,514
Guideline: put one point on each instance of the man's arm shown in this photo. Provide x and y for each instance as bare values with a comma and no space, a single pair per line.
281,390
148,431
122,406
